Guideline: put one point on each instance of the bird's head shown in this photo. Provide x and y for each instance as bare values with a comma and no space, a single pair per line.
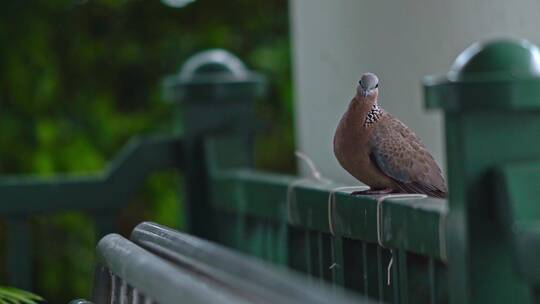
368,87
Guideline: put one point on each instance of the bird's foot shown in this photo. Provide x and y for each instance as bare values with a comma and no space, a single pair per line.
373,192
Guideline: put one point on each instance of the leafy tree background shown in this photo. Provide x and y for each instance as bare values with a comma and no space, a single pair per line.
79,78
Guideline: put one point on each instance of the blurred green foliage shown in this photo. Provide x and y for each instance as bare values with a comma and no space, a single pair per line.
10,295
78,78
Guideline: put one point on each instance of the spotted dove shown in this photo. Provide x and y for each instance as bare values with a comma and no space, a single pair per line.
382,152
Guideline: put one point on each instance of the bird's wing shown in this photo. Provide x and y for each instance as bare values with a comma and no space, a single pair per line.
400,154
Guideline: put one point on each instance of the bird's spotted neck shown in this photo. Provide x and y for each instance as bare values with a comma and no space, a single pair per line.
373,115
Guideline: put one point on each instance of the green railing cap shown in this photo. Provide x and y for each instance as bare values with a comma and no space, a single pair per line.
213,75
501,59
500,74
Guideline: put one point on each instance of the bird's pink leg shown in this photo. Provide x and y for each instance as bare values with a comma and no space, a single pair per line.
373,191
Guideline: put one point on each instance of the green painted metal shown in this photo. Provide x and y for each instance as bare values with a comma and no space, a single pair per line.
215,93
248,201
491,101
102,195
109,190
496,60
519,212
499,75
264,195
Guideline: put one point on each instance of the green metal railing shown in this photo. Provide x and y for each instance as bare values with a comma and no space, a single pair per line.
294,222
102,195
491,102
480,246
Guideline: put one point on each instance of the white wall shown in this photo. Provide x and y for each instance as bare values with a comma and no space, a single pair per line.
334,41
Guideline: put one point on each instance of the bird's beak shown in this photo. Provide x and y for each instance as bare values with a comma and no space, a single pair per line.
365,93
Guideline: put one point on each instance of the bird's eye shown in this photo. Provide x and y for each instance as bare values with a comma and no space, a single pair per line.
376,86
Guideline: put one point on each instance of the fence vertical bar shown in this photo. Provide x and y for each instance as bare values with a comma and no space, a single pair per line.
337,260
365,275
380,274
403,276
432,281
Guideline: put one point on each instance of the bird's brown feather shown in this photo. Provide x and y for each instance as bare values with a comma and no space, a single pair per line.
400,154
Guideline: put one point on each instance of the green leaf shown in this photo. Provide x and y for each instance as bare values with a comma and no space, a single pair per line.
9,295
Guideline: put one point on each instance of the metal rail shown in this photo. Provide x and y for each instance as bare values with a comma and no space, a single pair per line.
164,266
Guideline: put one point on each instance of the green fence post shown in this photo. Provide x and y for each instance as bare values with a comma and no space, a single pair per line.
215,94
491,102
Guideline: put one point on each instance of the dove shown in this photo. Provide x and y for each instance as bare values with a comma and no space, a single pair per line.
382,152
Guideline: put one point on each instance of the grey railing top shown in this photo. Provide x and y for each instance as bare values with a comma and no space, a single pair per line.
262,282
158,279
